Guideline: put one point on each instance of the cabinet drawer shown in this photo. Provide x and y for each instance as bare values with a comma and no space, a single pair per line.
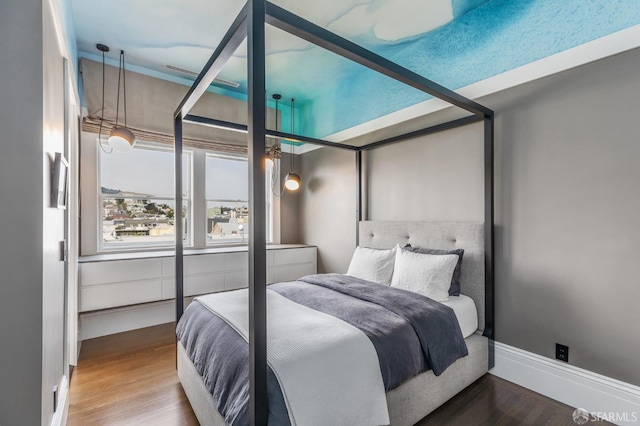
203,264
118,294
119,271
291,272
236,261
293,256
194,286
194,265
236,279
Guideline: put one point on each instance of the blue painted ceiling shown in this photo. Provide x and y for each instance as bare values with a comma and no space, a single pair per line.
453,42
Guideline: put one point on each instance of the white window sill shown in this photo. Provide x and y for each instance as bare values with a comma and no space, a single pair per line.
105,257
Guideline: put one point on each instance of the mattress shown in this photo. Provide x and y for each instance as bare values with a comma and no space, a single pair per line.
465,309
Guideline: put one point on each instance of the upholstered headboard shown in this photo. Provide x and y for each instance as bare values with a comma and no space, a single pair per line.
439,235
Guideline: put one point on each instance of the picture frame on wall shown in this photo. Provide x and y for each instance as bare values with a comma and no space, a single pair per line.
59,182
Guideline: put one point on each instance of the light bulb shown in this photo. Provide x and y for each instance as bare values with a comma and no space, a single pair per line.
292,182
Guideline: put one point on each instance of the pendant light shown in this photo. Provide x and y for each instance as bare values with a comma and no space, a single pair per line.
292,181
121,138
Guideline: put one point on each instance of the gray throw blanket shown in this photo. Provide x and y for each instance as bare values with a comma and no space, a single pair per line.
411,334
434,324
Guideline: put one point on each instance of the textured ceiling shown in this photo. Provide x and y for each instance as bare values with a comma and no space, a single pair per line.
453,42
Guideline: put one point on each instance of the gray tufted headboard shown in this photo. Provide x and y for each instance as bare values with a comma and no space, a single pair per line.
438,235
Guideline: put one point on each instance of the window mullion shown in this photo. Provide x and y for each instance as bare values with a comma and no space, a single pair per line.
199,207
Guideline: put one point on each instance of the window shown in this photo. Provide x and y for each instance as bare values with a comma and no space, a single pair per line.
135,207
136,197
227,199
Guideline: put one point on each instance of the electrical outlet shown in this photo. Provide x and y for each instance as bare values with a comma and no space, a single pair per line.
562,352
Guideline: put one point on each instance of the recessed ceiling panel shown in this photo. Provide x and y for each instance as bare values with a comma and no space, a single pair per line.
452,42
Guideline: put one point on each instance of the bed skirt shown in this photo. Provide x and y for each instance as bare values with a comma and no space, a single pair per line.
408,403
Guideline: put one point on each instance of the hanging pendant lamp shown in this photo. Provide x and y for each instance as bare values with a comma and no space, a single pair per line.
292,181
121,138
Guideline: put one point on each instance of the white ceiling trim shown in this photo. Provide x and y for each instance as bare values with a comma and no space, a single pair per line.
603,47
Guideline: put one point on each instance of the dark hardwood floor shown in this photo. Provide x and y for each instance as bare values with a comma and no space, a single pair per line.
130,379
495,401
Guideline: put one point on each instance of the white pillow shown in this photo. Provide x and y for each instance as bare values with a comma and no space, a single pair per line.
426,274
372,264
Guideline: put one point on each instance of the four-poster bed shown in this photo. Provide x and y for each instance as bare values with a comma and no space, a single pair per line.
479,239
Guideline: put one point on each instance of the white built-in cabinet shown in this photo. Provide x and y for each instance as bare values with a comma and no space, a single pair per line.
116,292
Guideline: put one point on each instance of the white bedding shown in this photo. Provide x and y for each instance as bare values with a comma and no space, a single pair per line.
466,312
305,349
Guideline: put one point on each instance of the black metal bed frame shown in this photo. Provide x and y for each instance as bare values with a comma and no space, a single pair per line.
250,24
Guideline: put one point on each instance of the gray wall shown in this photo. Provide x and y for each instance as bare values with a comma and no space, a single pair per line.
21,212
289,204
567,248
328,206
437,177
31,299
567,208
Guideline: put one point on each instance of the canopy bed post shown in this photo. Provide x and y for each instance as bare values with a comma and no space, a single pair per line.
358,193
230,42
258,412
489,239
177,216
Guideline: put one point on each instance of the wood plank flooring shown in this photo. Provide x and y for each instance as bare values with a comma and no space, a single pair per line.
130,379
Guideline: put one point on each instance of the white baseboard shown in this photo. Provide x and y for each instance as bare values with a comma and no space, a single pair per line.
611,399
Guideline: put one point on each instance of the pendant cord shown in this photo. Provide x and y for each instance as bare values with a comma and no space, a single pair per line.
124,88
276,117
118,97
102,113
292,132
275,170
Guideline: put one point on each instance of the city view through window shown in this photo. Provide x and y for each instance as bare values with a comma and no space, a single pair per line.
137,204
227,199
136,197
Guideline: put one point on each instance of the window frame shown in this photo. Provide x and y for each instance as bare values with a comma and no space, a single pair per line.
91,207
104,247
270,223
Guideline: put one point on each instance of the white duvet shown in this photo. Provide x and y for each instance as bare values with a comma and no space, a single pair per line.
328,370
